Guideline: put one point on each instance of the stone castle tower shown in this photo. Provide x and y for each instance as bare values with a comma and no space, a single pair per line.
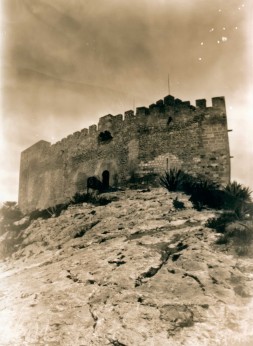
169,133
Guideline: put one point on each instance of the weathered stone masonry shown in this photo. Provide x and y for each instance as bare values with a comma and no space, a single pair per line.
170,133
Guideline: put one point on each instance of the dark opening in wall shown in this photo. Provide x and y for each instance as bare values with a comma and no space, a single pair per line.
105,179
104,137
169,120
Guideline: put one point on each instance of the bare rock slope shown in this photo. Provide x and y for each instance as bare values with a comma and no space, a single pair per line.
134,272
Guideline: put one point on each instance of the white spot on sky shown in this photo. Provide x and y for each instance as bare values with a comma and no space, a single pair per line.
224,39
202,43
200,59
236,27
223,28
211,30
243,5
219,10
218,41
239,8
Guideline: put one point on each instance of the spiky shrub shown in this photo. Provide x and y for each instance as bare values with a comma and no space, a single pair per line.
237,198
205,192
172,179
238,191
48,212
89,198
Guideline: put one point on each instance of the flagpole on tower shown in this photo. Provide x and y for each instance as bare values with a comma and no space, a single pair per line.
168,84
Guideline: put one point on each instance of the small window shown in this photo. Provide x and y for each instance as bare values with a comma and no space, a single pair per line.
105,136
169,120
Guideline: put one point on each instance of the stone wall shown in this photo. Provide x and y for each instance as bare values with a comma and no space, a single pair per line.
170,133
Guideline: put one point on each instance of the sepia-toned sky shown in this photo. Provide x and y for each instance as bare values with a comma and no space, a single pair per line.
65,63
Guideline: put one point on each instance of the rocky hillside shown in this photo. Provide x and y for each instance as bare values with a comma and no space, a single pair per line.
133,272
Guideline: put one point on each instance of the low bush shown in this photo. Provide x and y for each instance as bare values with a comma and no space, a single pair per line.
9,213
48,212
178,204
78,198
10,243
237,233
89,198
221,222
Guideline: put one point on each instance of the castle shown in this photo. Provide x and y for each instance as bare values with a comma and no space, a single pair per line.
169,133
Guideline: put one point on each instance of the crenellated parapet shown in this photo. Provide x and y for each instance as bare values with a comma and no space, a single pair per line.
169,108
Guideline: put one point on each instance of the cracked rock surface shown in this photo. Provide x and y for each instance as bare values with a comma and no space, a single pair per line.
133,272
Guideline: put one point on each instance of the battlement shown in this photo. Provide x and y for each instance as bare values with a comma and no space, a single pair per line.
219,102
201,103
110,121
160,108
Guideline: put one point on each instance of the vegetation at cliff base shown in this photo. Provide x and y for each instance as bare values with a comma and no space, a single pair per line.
11,222
9,213
234,200
207,193
78,198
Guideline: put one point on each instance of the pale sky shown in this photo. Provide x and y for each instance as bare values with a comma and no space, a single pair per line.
65,63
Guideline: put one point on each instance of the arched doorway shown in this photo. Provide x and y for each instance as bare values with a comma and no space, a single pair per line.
105,179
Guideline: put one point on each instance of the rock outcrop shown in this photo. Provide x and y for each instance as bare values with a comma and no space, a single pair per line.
133,272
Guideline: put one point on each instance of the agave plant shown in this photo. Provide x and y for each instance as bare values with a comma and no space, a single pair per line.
172,179
237,197
205,192
238,191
